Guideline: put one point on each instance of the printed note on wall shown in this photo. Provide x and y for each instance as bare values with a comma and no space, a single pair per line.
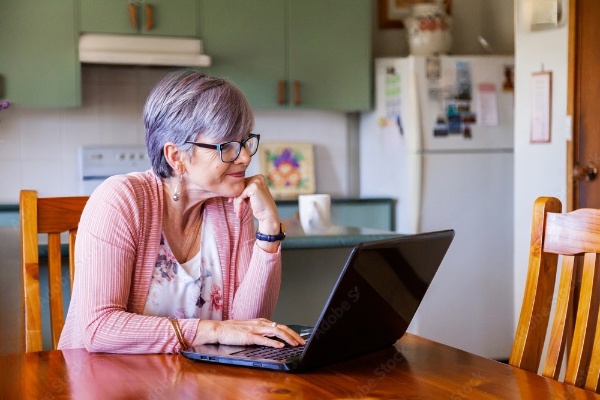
488,104
541,98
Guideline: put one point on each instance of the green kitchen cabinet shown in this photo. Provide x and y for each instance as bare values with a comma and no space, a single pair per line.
167,17
38,53
299,54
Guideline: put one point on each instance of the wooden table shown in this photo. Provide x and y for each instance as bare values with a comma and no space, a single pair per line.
415,368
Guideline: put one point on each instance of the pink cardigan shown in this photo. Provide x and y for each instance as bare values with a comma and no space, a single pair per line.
115,252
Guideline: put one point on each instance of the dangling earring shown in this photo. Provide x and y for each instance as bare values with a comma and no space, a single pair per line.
177,193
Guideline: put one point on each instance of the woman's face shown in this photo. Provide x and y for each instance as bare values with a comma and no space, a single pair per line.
207,174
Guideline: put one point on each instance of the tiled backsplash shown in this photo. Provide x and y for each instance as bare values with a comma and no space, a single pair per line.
38,148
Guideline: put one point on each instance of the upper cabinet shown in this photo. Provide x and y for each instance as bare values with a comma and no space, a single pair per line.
305,54
298,54
147,17
38,53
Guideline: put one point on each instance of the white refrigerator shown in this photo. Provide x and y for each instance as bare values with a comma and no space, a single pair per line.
440,142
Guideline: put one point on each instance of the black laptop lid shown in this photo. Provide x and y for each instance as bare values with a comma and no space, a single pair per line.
376,296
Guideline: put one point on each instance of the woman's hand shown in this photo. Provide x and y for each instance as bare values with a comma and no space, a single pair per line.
257,193
263,207
246,332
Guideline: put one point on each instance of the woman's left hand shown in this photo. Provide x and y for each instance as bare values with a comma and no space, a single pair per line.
259,331
263,206
257,193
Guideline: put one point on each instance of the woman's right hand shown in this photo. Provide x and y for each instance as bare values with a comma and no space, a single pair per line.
258,331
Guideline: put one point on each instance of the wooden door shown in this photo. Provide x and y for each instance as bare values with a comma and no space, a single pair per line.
584,66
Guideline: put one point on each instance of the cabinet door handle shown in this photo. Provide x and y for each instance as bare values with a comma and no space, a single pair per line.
133,15
149,17
281,92
297,95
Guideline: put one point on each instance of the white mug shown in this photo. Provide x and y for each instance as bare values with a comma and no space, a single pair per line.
315,211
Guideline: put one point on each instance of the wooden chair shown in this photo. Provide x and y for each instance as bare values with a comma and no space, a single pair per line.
52,216
576,237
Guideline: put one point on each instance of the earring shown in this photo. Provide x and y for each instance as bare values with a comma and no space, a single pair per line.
177,193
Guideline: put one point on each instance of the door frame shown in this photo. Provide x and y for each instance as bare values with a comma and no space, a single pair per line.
572,197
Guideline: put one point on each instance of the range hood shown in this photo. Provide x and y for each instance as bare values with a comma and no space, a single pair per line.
142,50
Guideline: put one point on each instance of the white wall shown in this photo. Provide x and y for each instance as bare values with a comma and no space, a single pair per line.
540,169
39,147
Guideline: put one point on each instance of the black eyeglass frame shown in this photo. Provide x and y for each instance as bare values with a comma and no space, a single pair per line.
220,145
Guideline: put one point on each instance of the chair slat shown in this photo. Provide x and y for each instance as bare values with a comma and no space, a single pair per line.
593,377
72,235
586,319
562,316
55,287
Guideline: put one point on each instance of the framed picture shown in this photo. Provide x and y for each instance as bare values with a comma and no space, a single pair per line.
288,167
393,12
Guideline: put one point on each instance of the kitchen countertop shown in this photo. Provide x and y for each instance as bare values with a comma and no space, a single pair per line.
375,213
7,207
334,236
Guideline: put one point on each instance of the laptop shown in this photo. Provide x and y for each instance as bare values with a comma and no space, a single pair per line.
370,307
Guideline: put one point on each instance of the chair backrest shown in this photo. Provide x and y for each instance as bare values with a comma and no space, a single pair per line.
51,216
574,237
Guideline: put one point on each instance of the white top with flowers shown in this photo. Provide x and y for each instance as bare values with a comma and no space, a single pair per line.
193,289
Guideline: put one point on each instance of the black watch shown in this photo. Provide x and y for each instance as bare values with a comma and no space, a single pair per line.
272,238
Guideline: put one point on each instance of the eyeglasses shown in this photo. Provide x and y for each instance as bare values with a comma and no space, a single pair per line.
230,151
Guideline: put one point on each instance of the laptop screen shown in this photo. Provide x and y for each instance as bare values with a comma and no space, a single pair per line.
377,295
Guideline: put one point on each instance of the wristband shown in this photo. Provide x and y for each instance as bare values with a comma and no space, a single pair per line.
272,238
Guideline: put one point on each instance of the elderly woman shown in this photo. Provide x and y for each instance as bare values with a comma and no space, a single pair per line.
170,257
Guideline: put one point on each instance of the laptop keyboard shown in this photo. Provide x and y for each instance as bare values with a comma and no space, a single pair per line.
271,353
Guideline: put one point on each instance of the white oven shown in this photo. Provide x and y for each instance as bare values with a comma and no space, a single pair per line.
96,163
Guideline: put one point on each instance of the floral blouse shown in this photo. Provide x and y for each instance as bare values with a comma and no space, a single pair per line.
193,289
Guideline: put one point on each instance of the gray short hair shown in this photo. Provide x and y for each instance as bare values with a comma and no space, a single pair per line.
189,105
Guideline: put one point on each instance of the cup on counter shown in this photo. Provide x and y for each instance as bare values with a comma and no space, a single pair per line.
315,211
